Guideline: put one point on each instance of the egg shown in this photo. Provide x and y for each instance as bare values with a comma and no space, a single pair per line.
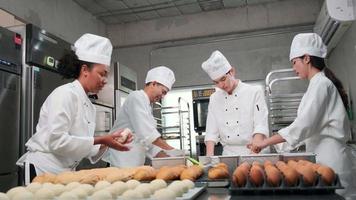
3,196
10,193
132,184
33,187
23,196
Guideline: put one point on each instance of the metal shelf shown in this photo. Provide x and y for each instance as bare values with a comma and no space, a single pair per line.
181,128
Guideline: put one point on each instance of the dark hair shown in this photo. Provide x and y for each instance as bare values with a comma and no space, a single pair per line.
69,65
319,63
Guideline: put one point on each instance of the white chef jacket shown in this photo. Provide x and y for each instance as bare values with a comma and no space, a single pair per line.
322,123
135,114
233,119
64,133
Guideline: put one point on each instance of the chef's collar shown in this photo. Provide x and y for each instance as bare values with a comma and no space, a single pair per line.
316,76
81,90
147,98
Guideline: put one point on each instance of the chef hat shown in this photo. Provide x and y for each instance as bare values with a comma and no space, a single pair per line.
216,66
94,49
162,75
307,43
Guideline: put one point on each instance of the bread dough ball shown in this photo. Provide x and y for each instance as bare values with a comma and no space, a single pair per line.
158,184
144,189
100,195
89,189
47,185
188,183
81,193
184,186
58,189
44,193
71,186
177,188
11,193
23,196
116,190
132,184
131,194
3,196
164,194
101,185
67,196
33,187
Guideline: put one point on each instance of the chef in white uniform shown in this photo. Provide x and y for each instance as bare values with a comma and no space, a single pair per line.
136,114
237,112
322,121
65,130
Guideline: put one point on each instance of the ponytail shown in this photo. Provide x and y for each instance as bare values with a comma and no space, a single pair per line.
69,65
319,63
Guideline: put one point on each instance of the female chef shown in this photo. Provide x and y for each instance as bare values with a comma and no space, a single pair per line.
322,122
65,130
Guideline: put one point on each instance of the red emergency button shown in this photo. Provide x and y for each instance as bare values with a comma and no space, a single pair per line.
17,39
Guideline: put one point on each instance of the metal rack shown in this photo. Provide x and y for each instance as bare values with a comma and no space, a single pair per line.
284,91
174,123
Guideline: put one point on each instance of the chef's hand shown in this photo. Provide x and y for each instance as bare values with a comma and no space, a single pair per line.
257,145
123,136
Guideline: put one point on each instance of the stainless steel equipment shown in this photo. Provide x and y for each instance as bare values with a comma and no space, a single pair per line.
10,97
284,92
173,122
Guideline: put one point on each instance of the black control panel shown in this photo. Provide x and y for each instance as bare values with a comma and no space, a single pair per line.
44,49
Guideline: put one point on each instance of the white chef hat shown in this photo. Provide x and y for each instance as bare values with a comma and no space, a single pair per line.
93,48
307,43
216,66
162,75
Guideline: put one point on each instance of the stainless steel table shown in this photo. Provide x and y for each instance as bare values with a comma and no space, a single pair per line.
224,194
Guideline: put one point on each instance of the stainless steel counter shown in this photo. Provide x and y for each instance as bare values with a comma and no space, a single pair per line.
224,194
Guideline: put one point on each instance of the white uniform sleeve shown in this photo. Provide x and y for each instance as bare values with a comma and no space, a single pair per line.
62,111
212,130
260,114
142,121
312,110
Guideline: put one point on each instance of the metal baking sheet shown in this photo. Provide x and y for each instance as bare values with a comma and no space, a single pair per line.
260,158
300,188
168,161
298,156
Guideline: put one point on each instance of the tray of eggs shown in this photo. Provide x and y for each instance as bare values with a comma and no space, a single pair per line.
290,176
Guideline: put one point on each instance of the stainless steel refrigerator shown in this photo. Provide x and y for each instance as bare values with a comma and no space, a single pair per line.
10,97
43,50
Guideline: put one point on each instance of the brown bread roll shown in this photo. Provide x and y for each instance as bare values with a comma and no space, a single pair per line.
219,171
290,175
309,175
146,173
273,175
192,173
45,178
240,175
327,174
170,173
256,175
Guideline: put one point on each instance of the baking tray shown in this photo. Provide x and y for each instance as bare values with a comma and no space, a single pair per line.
189,195
319,188
259,157
298,156
167,161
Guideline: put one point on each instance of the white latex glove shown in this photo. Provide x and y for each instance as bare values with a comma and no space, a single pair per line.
175,152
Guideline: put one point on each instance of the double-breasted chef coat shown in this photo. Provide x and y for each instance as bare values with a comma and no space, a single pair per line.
135,114
233,119
64,133
322,124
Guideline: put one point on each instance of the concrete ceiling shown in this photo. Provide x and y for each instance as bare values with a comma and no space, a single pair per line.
126,11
